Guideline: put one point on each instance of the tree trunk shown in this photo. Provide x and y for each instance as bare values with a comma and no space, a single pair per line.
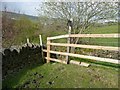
75,41
72,50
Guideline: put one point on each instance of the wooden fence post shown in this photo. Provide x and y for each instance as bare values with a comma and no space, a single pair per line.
41,45
48,51
28,42
68,48
40,40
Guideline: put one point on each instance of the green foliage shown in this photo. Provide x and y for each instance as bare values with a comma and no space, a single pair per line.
24,28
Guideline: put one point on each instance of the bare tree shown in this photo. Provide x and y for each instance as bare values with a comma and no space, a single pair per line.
84,14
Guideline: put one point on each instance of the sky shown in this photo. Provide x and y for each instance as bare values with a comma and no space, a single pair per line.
28,8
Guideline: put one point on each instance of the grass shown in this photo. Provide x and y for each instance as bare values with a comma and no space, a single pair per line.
56,75
105,29
101,41
109,29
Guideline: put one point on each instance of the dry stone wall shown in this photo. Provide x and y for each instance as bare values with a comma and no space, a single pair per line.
14,59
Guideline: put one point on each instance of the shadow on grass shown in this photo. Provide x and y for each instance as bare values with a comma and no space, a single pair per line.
13,80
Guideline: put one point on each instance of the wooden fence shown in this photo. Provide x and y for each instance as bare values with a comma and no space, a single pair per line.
49,43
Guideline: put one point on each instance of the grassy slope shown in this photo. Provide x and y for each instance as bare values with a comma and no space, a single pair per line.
64,76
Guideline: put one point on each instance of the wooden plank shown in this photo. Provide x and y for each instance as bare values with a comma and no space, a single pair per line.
84,64
88,57
85,35
48,51
58,37
57,60
96,35
74,62
87,46
79,63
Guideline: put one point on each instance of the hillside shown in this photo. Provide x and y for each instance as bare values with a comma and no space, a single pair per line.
53,27
16,16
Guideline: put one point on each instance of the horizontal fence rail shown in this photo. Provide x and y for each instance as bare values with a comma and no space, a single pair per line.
115,61
86,46
86,35
58,37
96,35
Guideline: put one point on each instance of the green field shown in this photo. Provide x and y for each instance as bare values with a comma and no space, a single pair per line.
56,75
105,29
103,41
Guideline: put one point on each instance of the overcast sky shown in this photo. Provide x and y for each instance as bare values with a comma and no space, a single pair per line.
23,7
28,6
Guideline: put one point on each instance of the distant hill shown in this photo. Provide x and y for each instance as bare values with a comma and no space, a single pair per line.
16,16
